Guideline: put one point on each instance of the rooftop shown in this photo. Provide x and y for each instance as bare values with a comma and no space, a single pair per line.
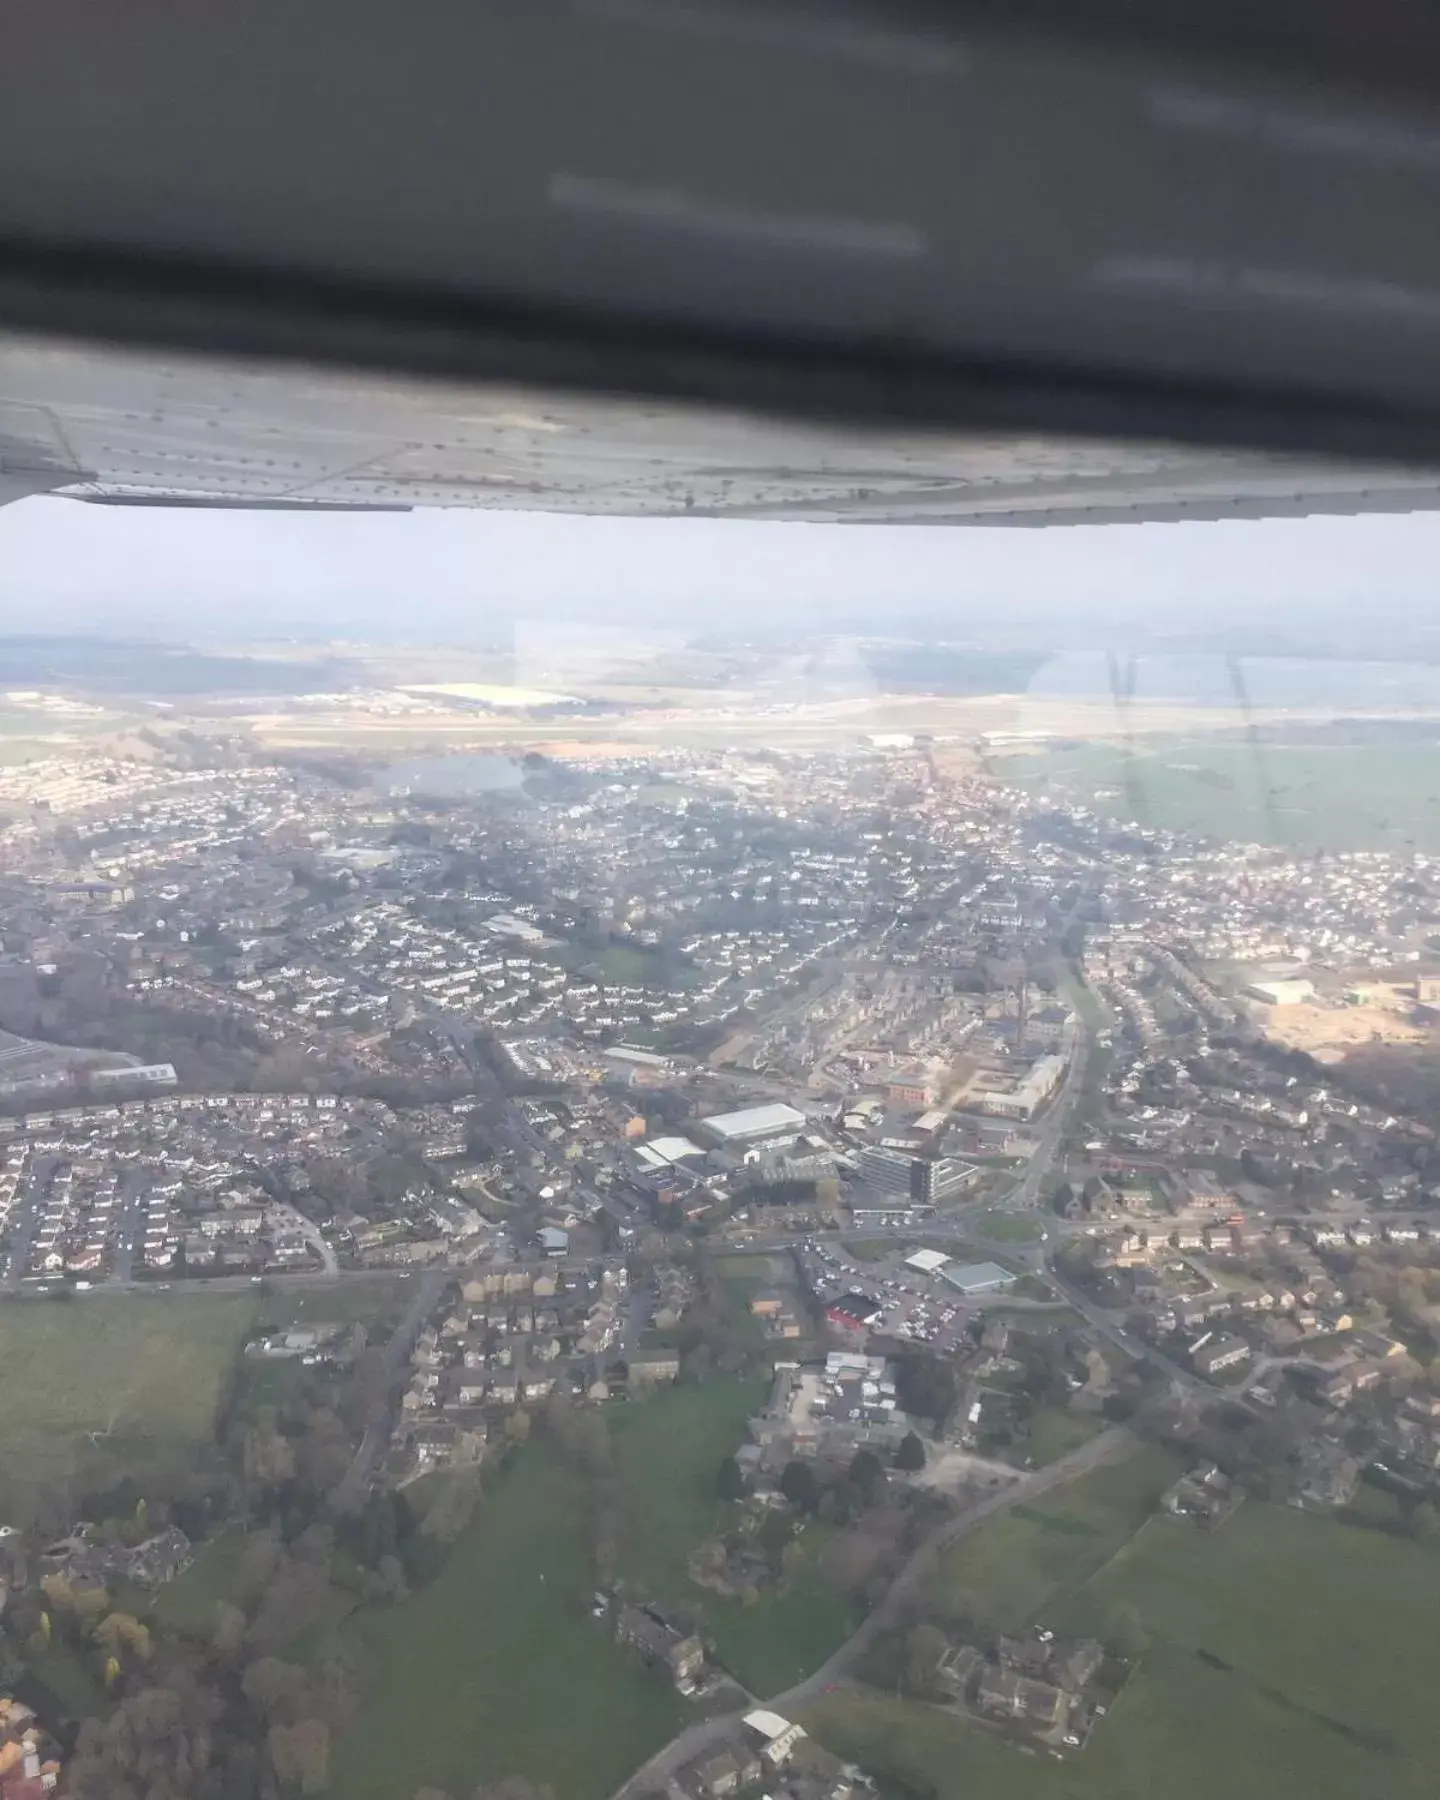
674,1149
755,1121
976,1277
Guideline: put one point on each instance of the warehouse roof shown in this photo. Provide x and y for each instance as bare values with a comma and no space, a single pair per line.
673,1149
977,1278
755,1121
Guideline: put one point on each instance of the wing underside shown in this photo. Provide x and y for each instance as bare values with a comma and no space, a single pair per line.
125,428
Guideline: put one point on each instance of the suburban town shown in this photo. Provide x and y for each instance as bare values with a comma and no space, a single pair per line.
798,1168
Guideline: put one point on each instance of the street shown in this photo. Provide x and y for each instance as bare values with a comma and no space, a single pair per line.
350,1494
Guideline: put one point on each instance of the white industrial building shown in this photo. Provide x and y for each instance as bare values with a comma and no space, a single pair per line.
1282,993
928,1262
151,1075
755,1124
664,1150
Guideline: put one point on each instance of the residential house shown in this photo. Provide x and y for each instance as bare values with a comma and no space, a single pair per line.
86,1563
1007,1694
720,1772
1029,1655
1223,1353
1206,1495
778,1736
1327,1476
1077,1665
661,1642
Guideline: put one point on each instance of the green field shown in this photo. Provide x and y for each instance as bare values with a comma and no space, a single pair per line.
756,1267
869,1250
376,1304
736,1293
1025,1558
1055,1433
142,1372
497,1668
116,1383
1300,796
1315,1681
630,964
188,1603
667,1451
1006,1227
1180,1731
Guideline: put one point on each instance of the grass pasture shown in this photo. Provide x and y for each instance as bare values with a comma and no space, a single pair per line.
497,1668
1055,1432
1288,1660
1178,1730
188,1603
1326,1620
112,1383
1026,1558
142,1373
667,1452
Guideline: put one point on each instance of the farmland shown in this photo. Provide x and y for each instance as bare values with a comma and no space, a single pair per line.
1333,796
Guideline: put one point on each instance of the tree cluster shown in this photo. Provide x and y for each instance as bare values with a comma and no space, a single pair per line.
926,1386
216,1721
584,1436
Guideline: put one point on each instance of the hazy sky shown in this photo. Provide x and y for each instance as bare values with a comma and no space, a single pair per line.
440,575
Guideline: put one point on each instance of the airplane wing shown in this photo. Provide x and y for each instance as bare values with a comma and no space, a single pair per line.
124,428
903,261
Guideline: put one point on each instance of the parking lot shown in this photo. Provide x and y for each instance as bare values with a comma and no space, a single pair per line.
918,1308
